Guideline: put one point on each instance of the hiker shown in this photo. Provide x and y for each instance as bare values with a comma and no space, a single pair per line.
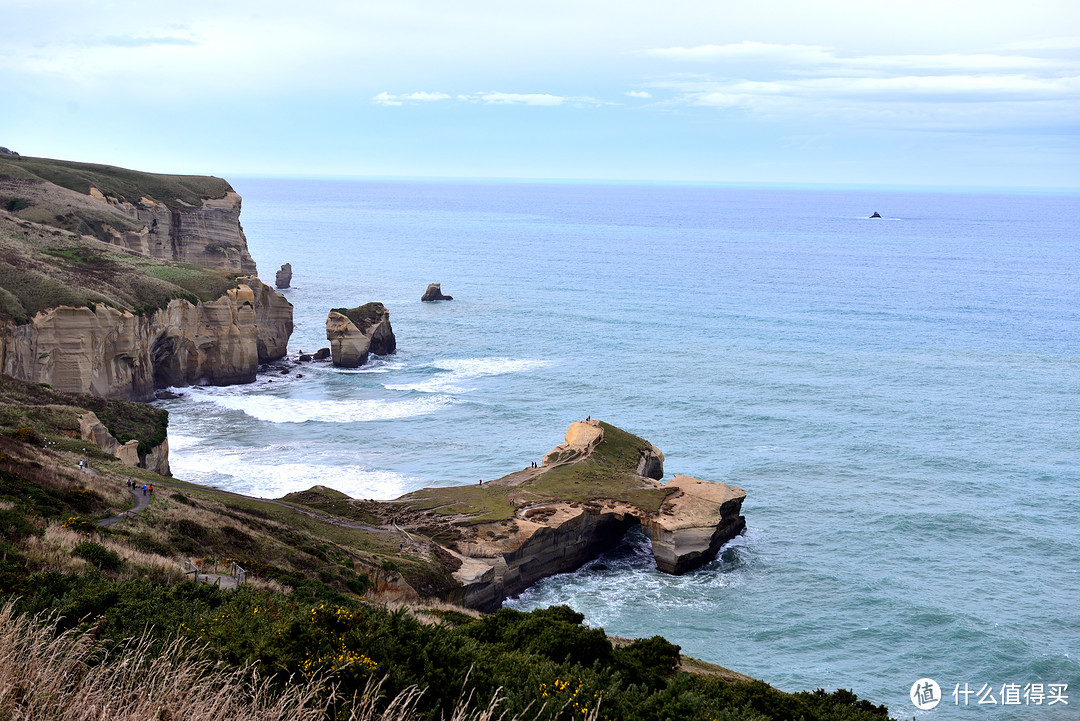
481,482
144,489
151,489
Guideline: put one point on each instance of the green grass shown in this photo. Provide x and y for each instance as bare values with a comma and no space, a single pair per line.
41,268
55,415
335,503
175,191
608,473
364,315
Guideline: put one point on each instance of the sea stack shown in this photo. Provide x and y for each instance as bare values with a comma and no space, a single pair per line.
355,332
284,276
434,292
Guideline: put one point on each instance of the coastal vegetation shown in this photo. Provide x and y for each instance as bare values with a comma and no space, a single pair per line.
176,191
44,267
606,471
312,630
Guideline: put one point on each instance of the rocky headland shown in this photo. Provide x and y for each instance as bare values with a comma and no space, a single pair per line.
499,537
116,283
354,333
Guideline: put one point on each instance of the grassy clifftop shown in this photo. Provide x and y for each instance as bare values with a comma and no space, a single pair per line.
606,472
44,267
302,616
176,191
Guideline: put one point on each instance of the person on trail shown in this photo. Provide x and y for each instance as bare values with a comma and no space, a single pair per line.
151,487
144,489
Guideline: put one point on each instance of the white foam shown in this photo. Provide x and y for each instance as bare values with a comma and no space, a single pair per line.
234,471
298,410
455,373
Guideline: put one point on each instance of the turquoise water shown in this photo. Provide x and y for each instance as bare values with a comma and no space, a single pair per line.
899,399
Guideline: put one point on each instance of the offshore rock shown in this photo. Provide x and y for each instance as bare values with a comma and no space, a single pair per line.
434,292
112,353
283,277
354,333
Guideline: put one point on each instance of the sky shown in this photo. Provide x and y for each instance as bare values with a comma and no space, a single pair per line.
835,92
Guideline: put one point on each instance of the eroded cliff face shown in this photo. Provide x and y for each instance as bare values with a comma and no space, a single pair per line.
94,431
209,235
116,354
616,485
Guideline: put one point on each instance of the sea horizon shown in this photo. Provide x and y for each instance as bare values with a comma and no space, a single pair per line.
893,395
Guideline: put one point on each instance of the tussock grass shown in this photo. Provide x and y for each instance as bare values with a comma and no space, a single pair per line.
47,675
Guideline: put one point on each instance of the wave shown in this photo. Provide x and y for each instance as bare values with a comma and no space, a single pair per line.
298,410
454,374
234,471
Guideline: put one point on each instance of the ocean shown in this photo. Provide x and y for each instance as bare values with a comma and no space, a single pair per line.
899,398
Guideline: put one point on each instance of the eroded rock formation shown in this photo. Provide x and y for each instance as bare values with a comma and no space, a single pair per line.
283,277
579,502
434,292
117,354
207,235
357,332
94,431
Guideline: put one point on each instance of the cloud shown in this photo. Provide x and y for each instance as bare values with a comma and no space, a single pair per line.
639,94
385,98
744,51
497,98
789,81
130,41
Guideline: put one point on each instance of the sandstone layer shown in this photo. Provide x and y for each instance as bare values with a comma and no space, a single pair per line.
207,235
112,353
357,332
507,534
94,431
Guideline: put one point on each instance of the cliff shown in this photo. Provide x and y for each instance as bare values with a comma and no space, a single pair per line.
354,333
114,353
96,309
187,219
505,535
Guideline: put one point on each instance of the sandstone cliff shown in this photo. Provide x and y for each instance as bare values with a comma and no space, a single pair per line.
183,218
207,235
507,534
112,353
354,333
94,431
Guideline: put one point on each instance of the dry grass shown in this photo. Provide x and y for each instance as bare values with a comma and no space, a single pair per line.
67,677
45,676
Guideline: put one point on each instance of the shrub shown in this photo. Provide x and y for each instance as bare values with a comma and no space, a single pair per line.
27,435
14,205
98,555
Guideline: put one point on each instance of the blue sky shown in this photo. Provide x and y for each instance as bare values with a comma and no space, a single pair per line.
950,92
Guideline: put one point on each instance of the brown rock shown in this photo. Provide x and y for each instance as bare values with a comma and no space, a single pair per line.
116,354
356,332
434,292
284,276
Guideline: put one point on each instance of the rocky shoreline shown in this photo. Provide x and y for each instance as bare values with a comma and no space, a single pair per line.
493,540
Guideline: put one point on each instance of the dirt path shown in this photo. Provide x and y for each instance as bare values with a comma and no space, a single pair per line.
142,500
